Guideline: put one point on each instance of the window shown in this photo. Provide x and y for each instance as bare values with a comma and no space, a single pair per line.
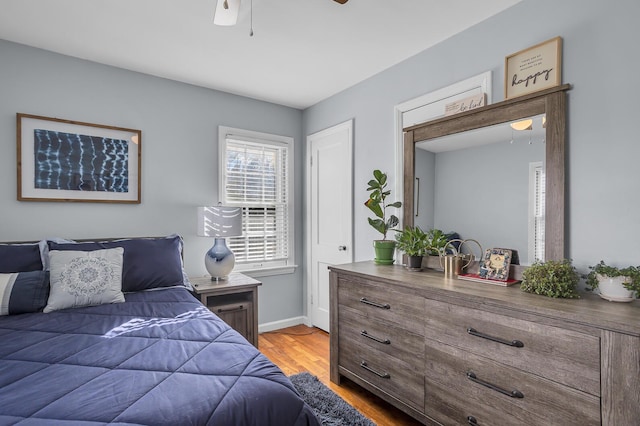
256,174
536,211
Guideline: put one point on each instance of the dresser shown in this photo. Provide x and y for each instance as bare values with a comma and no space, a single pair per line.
452,352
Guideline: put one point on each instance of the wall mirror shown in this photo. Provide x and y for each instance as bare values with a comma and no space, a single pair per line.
474,174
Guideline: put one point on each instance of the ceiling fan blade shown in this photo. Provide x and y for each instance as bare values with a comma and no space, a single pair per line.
226,13
341,1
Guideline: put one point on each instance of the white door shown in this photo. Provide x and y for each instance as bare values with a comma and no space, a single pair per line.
330,206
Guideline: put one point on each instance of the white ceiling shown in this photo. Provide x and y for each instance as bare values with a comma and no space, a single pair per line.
302,51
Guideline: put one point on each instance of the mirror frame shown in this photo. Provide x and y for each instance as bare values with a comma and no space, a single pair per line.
553,103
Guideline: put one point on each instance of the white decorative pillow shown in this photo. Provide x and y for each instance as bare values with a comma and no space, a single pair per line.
85,278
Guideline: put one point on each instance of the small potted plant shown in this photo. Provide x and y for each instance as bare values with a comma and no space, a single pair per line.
413,242
553,278
377,203
615,284
436,242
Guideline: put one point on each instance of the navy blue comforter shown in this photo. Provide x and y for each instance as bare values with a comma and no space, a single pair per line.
160,358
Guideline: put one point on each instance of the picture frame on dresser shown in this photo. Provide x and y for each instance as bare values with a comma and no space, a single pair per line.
65,160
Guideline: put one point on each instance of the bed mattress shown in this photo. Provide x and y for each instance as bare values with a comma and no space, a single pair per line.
159,358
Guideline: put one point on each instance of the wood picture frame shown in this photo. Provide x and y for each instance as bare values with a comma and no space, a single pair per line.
64,160
533,69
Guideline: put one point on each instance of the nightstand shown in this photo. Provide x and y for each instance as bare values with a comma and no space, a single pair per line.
234,300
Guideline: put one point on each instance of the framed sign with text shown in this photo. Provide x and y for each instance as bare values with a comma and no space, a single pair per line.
536,68
466,104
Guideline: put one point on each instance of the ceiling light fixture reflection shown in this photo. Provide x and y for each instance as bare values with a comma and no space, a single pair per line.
522,125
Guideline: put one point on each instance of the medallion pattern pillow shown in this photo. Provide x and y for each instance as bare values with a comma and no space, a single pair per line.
85,278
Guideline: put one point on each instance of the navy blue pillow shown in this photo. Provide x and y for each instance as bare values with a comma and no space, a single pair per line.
20,258
23,292
147,262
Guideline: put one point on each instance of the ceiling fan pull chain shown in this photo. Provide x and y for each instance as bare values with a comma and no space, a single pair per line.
251,31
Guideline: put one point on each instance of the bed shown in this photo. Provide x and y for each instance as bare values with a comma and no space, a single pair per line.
156,356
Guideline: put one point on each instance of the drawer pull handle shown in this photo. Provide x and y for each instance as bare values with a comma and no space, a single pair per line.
514,343
377,305
513,394
472,421
377,339
236,308
366,367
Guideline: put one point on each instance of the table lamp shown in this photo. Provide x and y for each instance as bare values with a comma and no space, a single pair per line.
219,222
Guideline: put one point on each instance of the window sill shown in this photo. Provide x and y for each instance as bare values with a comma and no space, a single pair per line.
267,272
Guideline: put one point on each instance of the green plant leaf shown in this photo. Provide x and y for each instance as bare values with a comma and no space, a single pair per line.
552,278
373,184
375,207
411,240
392,222
436,241
378,225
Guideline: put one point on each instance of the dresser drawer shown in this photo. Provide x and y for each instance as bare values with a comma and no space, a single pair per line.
459,385
561,355
384,303
390,374
393,341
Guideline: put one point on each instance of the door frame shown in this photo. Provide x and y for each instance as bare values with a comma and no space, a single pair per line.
308,227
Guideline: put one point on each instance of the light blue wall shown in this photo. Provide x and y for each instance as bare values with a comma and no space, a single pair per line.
481,197
179,126
603,176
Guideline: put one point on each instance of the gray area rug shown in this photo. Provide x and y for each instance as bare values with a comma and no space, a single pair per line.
329,407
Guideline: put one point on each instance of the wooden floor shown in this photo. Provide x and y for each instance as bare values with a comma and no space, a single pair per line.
301,348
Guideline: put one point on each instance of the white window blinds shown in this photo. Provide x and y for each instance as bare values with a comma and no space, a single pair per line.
256,177
536,211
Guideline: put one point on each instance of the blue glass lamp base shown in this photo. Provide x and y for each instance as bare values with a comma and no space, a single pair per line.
219,260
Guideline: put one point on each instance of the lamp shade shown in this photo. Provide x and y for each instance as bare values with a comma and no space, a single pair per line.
219,221
226,12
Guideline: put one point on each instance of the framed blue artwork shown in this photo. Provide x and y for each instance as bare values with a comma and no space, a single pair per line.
64,160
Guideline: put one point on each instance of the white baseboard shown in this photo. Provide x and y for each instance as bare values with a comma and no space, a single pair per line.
277,325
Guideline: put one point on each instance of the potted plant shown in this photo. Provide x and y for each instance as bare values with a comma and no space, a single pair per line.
436,242
615,284
553,278
377,203
413,242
